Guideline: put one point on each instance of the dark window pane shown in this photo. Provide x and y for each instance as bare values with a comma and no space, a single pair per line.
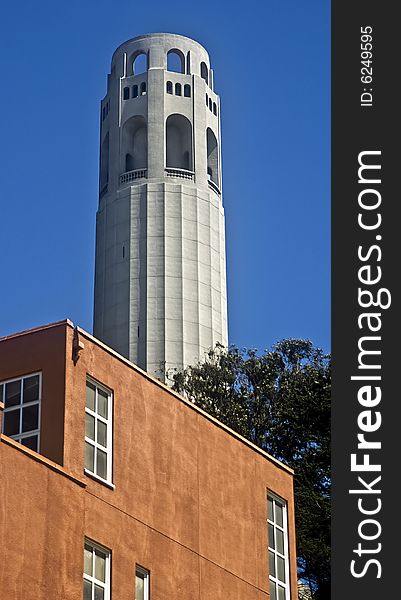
30,418
11,422
99,593
101,466
280,541
31,389
273,591
100,565
272,566
271,537
90,427
13,393
87,590
281,593
88,554
281,569
89,457
31,442
270,509
139,587
102,433
1,392
102,398
90,396
279,514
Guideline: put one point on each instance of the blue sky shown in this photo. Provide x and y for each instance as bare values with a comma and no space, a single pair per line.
272,70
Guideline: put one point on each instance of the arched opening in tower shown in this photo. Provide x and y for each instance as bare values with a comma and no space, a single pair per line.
204,71
134,145
212,156
140,64
175,61
178,142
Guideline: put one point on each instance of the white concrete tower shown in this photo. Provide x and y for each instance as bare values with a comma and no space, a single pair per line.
160,277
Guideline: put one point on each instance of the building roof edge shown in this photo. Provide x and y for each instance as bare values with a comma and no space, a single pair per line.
35,329
183,400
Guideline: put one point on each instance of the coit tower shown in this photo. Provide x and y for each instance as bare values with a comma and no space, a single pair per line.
160,277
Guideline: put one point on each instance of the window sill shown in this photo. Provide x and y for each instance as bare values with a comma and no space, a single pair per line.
99,479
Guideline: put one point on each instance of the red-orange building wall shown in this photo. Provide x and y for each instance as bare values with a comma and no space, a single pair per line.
189,497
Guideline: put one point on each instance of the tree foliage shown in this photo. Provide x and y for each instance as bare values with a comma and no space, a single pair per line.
280,401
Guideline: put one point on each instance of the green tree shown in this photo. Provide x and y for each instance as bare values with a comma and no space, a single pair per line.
279,400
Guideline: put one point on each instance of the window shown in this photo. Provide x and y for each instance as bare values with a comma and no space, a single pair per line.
143,88
178,89
187,91
278,548
141,583
214,108
126,93
21,416
96,572
98,433
169,87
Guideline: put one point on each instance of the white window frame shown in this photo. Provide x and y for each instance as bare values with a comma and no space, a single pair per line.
284,529
109,424
105,585
18,437
146,578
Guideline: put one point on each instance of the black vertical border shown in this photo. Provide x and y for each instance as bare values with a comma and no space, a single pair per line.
356,129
